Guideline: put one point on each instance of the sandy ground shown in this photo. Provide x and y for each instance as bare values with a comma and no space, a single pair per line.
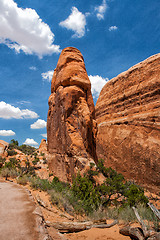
17,221
98,234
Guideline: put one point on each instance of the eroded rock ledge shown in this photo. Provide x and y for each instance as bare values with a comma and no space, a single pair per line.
71,125
128,118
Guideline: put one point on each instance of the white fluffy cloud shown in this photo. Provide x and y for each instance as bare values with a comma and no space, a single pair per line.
6,133
8,111
33,68
75,22
47,75
38,124
113,28
44,135
31,142
100,10
97,82
23,29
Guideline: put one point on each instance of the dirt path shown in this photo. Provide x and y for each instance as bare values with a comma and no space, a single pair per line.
17,220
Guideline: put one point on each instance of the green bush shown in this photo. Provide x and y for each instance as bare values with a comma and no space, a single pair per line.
26,149
28,169
35,161
84,190
115,187
42,184
135,195
13,144
11,152
13,163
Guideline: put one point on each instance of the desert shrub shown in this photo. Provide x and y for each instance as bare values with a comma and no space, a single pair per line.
135,195
28,169
9,172
23,180
13,144
147,214
115,187
91,173
35,161
126,213
84,190
26,149
42,184
11,152
23,148
58,185
13,163
62,200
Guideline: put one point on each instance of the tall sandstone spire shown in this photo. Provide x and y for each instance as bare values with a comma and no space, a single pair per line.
71,125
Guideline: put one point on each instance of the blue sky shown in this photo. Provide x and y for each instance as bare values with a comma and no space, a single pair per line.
112,35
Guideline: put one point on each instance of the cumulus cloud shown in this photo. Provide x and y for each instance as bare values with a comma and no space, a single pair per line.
38,124
97,82
44,135
75,22
100,10
47,76
6,133
23,29
8,111
112,28
31,142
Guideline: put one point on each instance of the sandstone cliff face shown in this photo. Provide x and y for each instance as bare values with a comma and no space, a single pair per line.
71,126
128,118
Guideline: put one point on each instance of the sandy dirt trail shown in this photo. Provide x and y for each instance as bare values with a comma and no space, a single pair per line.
17,221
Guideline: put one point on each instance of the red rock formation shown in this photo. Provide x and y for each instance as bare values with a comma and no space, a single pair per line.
3,146
43,146
128,118
71,128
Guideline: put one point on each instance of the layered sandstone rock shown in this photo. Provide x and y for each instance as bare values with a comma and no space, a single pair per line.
128,118
71,126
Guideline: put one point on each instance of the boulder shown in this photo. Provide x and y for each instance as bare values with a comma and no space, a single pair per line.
71,125
128,118
3,146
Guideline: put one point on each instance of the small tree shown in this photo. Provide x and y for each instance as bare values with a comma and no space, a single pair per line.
13,144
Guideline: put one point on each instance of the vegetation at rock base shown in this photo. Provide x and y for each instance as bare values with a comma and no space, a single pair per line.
113,198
